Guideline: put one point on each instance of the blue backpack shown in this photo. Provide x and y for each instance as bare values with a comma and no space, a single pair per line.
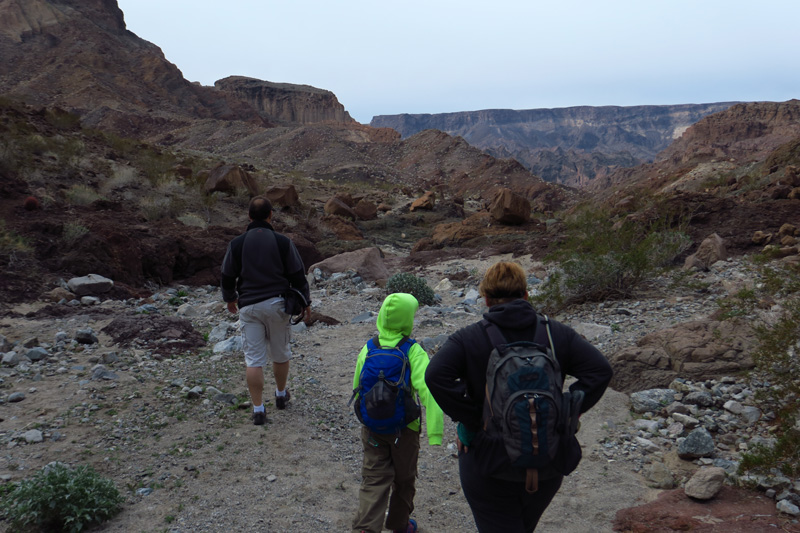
385,402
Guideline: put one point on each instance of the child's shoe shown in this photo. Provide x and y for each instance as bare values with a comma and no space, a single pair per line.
411,528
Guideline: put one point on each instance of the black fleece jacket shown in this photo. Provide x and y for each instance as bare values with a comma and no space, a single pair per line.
261,264
456,375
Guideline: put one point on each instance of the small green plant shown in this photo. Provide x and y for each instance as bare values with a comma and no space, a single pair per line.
59,498
411,284
602,258
785,455
81,195
740,304
156,208
10,242
191,219
73,232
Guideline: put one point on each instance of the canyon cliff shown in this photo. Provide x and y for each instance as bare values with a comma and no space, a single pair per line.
285,102
572,145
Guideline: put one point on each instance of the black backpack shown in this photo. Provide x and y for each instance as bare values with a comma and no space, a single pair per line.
525,405
385,402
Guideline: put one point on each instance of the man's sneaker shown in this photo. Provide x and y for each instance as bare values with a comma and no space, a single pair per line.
259,418
411,528
281,401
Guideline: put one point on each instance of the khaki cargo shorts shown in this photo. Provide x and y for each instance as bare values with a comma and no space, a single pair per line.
266,332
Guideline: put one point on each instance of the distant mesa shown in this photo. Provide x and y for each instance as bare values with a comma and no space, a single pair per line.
571,145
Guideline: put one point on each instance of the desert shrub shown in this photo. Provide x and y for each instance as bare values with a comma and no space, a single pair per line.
61,119
157,208
411,284
777,360
604,259
59,498
190,219
81,195
10,242
72,232
121,177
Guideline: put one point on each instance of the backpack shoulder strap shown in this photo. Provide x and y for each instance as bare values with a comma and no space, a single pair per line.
404,344
542,329
495,335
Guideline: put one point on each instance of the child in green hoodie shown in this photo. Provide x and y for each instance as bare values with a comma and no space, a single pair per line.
390,463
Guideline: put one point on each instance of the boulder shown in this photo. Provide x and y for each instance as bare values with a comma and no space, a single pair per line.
697,350
283,195
368,262
427,202
230,178
335,206
788,229
652,400
366,210
711,250
699,443
92,284
510,208
658,476
761,238
705,483
345,230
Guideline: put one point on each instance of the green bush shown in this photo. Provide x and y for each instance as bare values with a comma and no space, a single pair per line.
602,258
776,359
409,283
59,498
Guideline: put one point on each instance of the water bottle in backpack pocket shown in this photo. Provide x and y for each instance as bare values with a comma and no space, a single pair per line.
384,400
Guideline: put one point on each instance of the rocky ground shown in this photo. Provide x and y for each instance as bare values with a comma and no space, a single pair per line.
158,405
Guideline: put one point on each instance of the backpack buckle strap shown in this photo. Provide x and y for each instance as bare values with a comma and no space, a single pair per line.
531,480
534,432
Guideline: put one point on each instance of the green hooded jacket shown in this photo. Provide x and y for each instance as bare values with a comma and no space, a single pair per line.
395,320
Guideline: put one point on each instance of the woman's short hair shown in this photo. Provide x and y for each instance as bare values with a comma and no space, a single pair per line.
260,208
504,281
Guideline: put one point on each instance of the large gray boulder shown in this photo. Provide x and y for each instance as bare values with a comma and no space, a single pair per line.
699,443
705,483
90,285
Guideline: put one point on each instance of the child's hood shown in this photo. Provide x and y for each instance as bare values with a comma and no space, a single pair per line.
396,317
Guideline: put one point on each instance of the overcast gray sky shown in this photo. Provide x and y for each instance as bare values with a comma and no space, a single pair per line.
437,56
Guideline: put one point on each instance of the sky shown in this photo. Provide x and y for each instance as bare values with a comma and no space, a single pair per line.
441,56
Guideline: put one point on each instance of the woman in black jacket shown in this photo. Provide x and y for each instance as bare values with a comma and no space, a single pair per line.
456,376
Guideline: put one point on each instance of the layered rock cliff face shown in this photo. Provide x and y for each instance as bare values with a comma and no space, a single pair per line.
284,102
78,55
568,145
746,148
745,132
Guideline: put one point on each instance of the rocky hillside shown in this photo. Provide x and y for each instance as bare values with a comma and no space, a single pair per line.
80,57
571,145
749,151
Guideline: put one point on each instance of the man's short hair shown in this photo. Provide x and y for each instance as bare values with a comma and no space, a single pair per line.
260,208
504,281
